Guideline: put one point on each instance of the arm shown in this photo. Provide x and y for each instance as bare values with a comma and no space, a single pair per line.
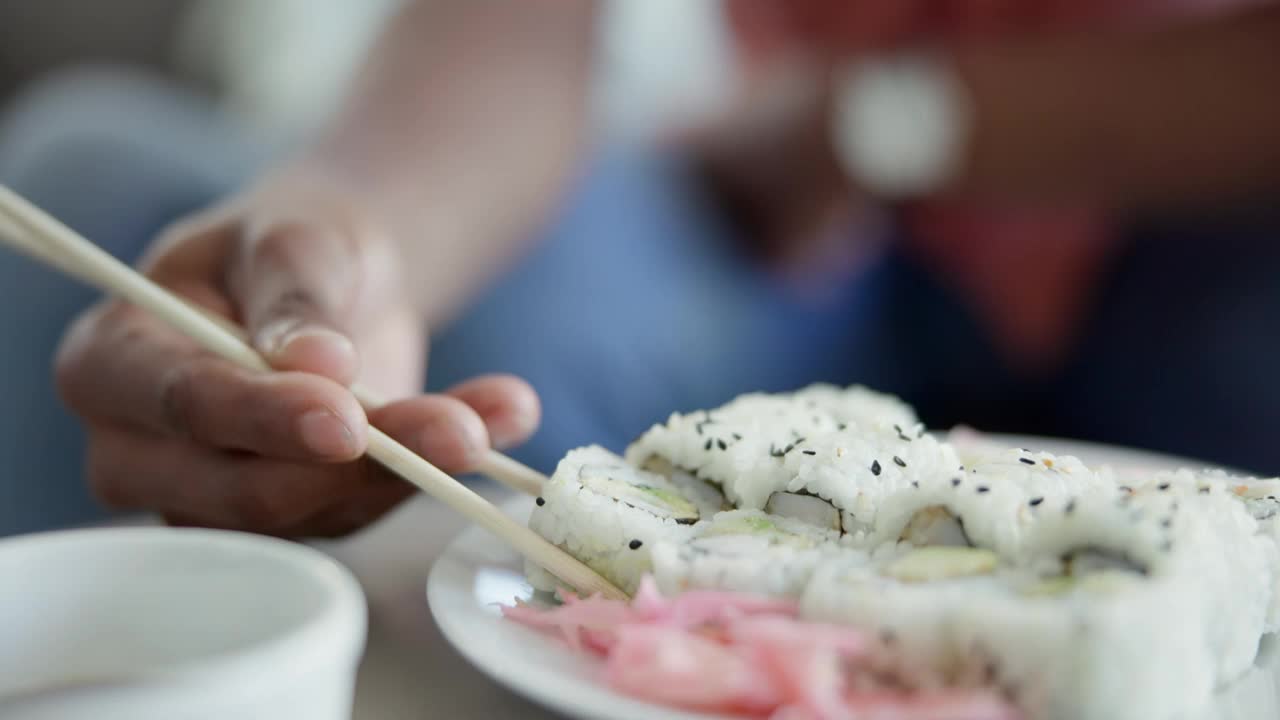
460,133
415,192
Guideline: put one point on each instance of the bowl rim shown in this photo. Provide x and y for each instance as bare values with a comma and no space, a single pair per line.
334,631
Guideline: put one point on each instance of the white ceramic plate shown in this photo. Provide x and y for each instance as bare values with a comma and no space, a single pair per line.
477,573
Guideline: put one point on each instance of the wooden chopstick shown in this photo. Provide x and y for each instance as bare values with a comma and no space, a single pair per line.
33,232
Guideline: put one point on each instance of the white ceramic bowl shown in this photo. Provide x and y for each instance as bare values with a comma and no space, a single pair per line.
175,624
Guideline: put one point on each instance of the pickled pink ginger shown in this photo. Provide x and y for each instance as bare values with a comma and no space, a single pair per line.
741,654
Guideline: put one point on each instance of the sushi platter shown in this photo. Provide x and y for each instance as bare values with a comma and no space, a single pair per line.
1082,580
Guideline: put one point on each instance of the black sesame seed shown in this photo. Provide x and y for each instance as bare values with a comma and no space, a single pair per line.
1126,488
1163,486
809,452
1036,501
1166,523
915,484
899,461
875,467
842,426
635,544
708,445
1071,507
1204,490
720,444
983,489
1026,461
955,482
736,436
540,502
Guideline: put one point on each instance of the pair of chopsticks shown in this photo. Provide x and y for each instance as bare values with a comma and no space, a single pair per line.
31,231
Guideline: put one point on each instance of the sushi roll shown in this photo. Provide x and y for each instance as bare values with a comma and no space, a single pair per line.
1113,607
609,515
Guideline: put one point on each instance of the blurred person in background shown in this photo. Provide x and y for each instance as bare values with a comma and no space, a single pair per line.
996,266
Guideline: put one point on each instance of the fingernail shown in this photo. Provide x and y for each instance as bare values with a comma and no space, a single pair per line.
324,433
277,337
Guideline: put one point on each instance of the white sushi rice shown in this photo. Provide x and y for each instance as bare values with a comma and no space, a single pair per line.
606,533
1077,594
743,445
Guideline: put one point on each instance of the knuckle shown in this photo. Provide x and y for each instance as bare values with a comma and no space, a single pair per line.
280,244
175,399
179,398
294,302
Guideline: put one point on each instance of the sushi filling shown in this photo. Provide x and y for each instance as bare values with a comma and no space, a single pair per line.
805,508
758,526
930,564
935,525
707,495
1095,560
660,502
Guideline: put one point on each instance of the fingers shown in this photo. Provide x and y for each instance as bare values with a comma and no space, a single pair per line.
456,429
508,406
296,286
442,429
129,469
160,382
195,486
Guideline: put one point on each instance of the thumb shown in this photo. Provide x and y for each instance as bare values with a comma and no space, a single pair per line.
295,286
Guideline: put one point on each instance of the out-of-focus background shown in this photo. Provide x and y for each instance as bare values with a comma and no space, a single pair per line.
280,64
273,69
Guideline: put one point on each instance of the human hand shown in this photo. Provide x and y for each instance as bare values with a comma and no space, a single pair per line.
318,287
